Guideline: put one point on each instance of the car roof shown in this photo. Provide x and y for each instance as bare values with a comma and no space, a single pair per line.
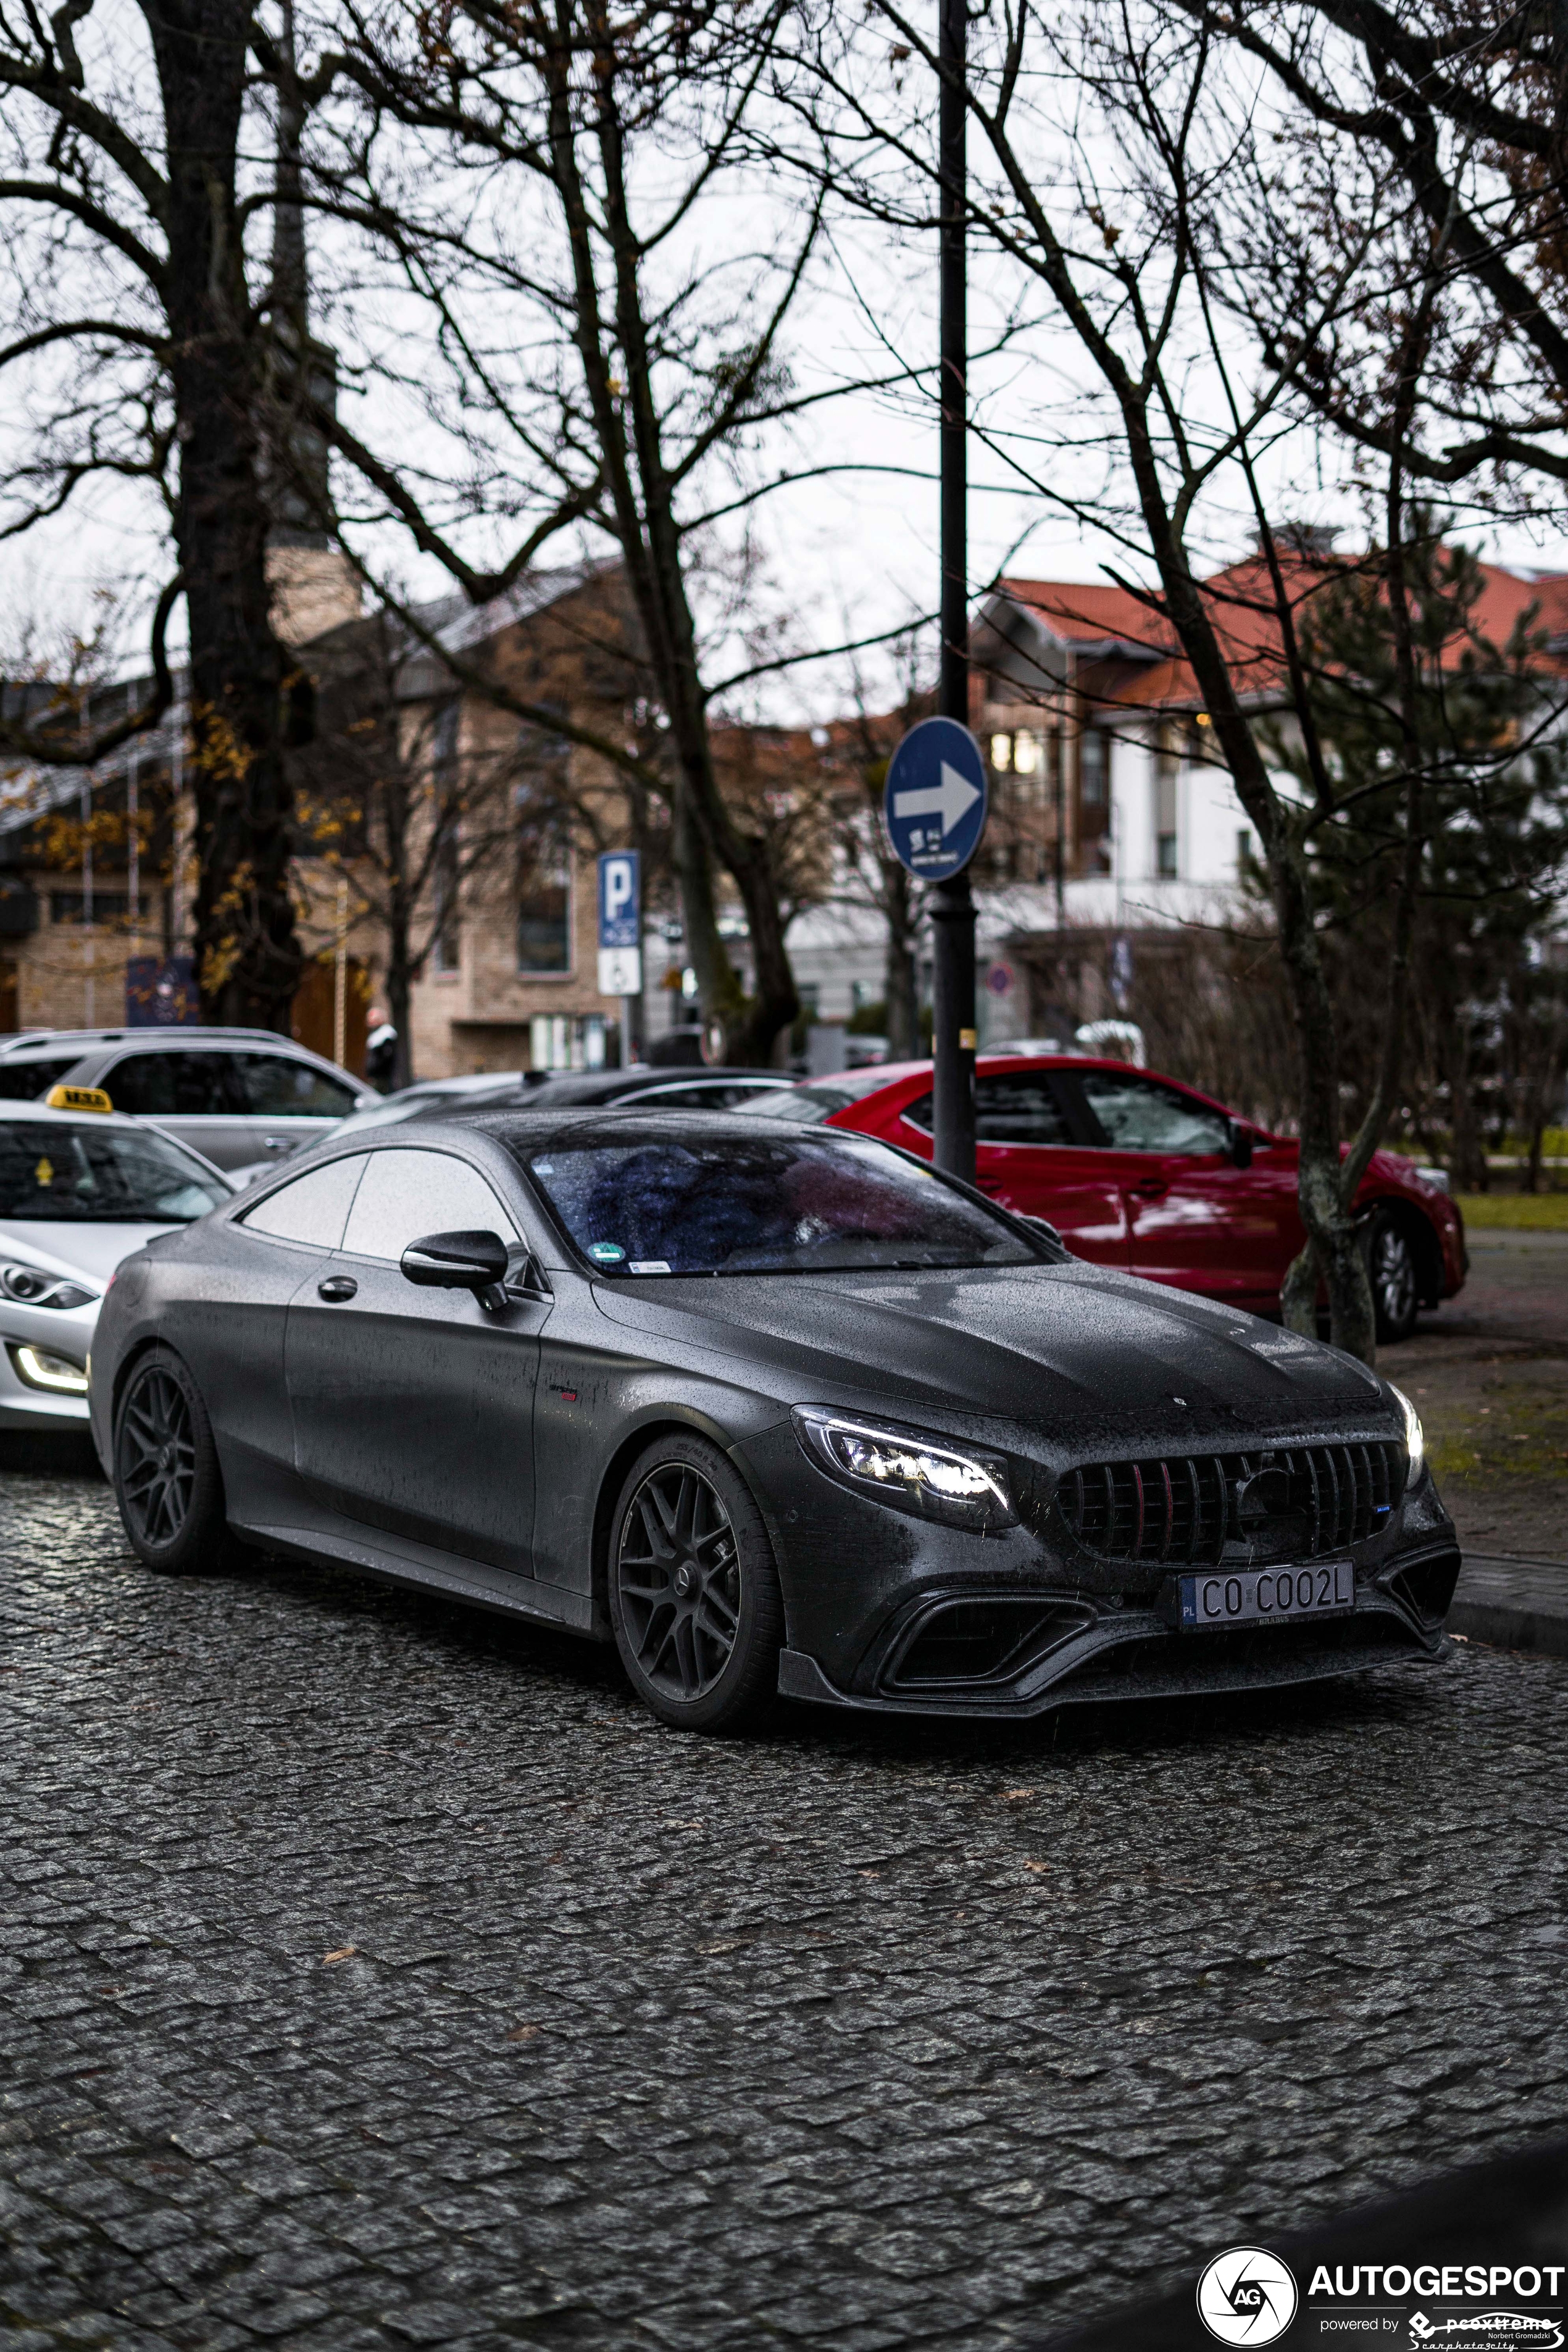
11,1111
31,1042
533,1127
870,1078
589,1086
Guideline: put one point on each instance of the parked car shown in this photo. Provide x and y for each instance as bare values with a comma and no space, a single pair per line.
1139,1172
79,1191
389,1110
775,1410
711,1089
233,1094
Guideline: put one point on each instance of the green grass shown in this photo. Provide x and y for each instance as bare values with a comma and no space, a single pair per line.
1513,1429
1515,1213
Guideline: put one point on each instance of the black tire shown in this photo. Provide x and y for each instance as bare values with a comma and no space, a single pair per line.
167,1481
693,1591
1391,1268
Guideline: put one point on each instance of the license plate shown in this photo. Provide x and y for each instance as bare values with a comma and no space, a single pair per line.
1265,1596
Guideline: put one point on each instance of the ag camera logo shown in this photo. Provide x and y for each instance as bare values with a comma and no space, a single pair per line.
1247,2297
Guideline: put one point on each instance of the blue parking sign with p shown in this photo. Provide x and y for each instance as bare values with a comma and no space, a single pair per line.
620,899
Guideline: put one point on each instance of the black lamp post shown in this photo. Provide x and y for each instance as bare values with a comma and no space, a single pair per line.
953,906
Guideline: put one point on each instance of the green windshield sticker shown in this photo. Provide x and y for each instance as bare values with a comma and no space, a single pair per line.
607,1253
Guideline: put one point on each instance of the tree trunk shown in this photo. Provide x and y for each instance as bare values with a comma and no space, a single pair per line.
399,979
248,957
1331,1231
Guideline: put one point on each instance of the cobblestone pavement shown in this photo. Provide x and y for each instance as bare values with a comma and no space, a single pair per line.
375,1975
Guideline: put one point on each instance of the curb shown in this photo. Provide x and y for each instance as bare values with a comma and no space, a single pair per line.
1512,1603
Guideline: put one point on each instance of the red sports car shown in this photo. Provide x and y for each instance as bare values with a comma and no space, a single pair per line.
1139,1172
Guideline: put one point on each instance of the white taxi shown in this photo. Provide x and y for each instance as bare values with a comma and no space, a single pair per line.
81,1188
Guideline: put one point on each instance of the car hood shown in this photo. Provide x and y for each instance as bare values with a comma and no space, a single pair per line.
63,1246
1081,1356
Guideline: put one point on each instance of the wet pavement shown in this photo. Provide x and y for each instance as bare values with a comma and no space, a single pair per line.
373,1974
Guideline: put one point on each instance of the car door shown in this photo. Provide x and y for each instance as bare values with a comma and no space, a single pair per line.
191,1090
1029,1155
233,1330
1195,1219
290,1103
413,1408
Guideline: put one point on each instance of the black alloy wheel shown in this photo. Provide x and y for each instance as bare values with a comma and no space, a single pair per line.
1390,1264
694,1595
167,1481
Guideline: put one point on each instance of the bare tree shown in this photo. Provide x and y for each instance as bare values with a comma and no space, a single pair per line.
608,358
1459,116
1107,141
138,346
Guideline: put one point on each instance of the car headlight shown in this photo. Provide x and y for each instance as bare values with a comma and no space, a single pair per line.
905,1469
40,1367
30,1285
1414,1435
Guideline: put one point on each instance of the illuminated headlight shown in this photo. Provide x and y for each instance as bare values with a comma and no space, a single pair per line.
907,1469
1414,1436
42,1368
31,1286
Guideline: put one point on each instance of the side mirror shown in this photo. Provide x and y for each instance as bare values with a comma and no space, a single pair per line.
476,1261
1240,1145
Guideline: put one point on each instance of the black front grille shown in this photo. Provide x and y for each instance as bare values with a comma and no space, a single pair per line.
1283,1503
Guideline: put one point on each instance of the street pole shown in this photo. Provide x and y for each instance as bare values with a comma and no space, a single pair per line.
953,907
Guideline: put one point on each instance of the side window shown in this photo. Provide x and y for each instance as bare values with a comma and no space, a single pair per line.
274,1086
172,1085
1008,1110
1139,1114
313,1209
407,1193
1020,1110
30,1081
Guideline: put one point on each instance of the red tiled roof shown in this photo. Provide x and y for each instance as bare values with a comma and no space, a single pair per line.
1241,599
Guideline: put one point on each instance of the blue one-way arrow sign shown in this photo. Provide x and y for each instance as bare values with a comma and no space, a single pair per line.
934,803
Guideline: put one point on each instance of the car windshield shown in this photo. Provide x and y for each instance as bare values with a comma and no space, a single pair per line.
787,1204
97,1175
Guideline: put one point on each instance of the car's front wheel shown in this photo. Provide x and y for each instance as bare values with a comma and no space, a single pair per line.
693,1591
1390,1264
167,1481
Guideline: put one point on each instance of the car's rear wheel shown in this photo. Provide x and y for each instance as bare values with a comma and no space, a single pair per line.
1390,1264
693,1591
167,1481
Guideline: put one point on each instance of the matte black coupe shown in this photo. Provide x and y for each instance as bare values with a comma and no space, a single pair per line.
774,1410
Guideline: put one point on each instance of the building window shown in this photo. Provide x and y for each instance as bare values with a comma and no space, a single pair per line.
446,951
566,1041
1167,756
1093,767
108,907
544,898
1246,853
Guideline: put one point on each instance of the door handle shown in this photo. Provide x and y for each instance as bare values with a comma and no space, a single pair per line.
336,1286
1151,1188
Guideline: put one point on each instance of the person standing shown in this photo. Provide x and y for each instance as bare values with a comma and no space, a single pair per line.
381,1051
